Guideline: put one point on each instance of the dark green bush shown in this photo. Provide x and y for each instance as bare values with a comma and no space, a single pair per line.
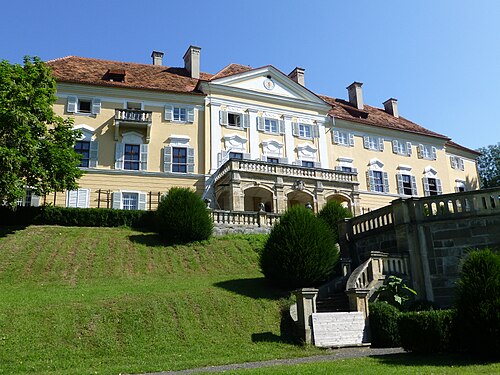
331,213
427,331
478,303
81,217
384,325
183,217
300,251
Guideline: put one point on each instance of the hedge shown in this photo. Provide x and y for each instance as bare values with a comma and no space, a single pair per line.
384,325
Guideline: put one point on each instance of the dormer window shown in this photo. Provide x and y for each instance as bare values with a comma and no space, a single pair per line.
115,75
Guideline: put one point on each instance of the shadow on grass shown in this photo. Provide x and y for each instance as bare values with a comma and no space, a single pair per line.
5,231
149,239
288,331
444,359
256,287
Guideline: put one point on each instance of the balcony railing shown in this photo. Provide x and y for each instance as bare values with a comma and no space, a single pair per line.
133,115
286,170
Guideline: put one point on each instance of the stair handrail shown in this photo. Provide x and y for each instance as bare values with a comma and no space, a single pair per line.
361,277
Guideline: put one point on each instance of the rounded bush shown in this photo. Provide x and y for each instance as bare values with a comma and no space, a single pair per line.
478,303
183,217
384,325
331,213
300,251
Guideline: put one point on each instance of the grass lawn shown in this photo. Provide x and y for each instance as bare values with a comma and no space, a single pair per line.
391,364
114,300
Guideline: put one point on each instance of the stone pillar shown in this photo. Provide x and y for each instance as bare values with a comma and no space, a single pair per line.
358,301
237,197
280,199
306,306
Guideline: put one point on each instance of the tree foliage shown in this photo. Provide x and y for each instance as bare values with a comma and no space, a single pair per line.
489,166
332,213
36,145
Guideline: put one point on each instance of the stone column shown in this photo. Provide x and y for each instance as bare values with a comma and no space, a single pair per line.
306,306
280,199
358,301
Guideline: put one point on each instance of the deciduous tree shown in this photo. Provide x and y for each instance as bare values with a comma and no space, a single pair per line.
36,145
489,166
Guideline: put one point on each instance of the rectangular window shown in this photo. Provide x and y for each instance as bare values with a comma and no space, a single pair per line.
305,131
84,106
270,125
343,138
179,159
407,188
130,201
457,162
26,201
373,143
236,155
273,160
134,105
433,189
401,148
378,181
307,164
131,157
427,152
346,169
83,148
179,114
234,119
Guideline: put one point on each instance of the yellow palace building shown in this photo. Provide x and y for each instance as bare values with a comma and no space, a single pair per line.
244,138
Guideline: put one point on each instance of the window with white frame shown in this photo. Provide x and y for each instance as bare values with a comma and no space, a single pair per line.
307,163
86,147
29,199
129,200
84,106
407,184
373,143
343,138
234,119
307,131
180,114
345,165
78,198
131,154
460,186
457,162
432,186
178,157
427,152
270,125
377,180
401,147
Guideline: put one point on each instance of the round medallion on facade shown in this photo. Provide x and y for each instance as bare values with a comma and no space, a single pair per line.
268,84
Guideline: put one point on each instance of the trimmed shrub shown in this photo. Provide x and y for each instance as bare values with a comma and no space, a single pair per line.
478,303
300,251
331,213
183,217
427,331
384,325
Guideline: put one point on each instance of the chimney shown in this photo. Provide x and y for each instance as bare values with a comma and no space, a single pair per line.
297,75
192,61
157,58
356,94
391,107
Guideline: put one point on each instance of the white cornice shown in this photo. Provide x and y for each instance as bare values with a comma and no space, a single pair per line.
142,173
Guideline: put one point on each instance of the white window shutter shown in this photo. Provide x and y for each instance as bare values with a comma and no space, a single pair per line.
386,182
408,148
83,198
93,154
395,146
223,118
366,141
190,114
142,201
222,157
453,162
439,188
245,120
413,185
167,159
434,153
315,131
190,160
72,198
351,139
117,200
399,179
71,106
381,144
169,113
426,186
295,129
420,150
260,123
336,139
96,106
144,157
119,152
282,126
461,164
370,180
35,200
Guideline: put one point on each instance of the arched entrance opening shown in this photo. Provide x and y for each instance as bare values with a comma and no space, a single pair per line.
300,198
342,199
254,196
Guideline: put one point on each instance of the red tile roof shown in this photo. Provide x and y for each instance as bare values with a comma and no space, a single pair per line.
460,147
230,70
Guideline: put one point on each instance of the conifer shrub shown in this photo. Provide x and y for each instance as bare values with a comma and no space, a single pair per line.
182,217
478,303
331,213
384,325
300,250
427,331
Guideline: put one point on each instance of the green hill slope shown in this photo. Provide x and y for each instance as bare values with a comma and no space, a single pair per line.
113,300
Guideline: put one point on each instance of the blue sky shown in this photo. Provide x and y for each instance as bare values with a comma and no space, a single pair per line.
440,59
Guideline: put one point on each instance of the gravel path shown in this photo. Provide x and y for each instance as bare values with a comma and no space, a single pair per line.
334,354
